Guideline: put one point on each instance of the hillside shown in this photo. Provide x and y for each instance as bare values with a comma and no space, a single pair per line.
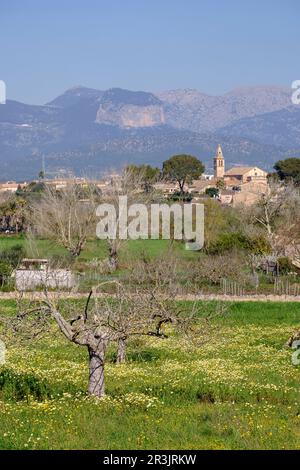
92,130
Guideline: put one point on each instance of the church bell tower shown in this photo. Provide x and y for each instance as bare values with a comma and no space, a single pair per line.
219,163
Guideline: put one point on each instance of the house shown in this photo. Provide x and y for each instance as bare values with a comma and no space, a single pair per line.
11,186
237,175
244,174
199,186
240,184
251,192
166,188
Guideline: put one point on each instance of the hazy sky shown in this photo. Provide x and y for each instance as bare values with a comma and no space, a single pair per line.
212,45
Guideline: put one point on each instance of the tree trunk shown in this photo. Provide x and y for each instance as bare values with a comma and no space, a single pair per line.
294,337
121,355
96,376
113,258
75,252
181,187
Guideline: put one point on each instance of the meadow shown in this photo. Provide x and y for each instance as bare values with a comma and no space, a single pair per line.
94,248
237,390
88,265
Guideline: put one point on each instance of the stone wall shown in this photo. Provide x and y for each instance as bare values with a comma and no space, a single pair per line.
30,279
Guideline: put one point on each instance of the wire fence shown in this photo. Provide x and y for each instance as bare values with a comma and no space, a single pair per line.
285,287
281,286
232,288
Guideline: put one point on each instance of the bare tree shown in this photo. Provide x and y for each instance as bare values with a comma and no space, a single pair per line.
100,321
275,213
161,271
129,184
66,216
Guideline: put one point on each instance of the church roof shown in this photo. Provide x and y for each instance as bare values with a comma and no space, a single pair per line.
203,184
232,181
239,170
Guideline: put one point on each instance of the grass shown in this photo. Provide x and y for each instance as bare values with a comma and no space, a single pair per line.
94,248
237,391
135,250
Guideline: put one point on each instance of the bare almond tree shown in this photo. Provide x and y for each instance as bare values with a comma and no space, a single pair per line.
129,184
278,213
275,212
97,321
66,216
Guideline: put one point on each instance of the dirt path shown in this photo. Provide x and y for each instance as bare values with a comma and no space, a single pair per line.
244,298
192,297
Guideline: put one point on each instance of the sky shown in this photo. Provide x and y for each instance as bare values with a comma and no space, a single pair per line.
214,46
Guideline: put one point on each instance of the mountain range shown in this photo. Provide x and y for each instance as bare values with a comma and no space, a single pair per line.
87,131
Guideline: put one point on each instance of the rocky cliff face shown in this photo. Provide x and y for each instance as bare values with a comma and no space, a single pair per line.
128,116
130,110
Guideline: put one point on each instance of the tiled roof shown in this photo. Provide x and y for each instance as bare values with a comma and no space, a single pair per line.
239,170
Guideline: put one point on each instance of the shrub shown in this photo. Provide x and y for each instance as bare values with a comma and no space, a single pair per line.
178,196
284,265
212,269
229,241
13,255
212,192
16,386
259,245
5,272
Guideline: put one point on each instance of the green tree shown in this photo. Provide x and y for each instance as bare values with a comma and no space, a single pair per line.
41,175
212,192
182,169
289,169
13,214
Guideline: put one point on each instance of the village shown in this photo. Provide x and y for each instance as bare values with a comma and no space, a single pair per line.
237,185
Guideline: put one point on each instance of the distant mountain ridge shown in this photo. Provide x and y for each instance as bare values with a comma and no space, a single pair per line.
74,96
196,111
87,129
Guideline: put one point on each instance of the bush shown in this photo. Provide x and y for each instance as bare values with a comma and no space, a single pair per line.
16,386
5,273
178,196
259,245
285,266
212,269
12,256
212,192
228,242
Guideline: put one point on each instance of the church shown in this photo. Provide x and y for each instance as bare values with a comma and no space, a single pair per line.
238,175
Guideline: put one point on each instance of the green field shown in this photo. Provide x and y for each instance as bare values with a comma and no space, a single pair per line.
239,390
94,248
133,252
